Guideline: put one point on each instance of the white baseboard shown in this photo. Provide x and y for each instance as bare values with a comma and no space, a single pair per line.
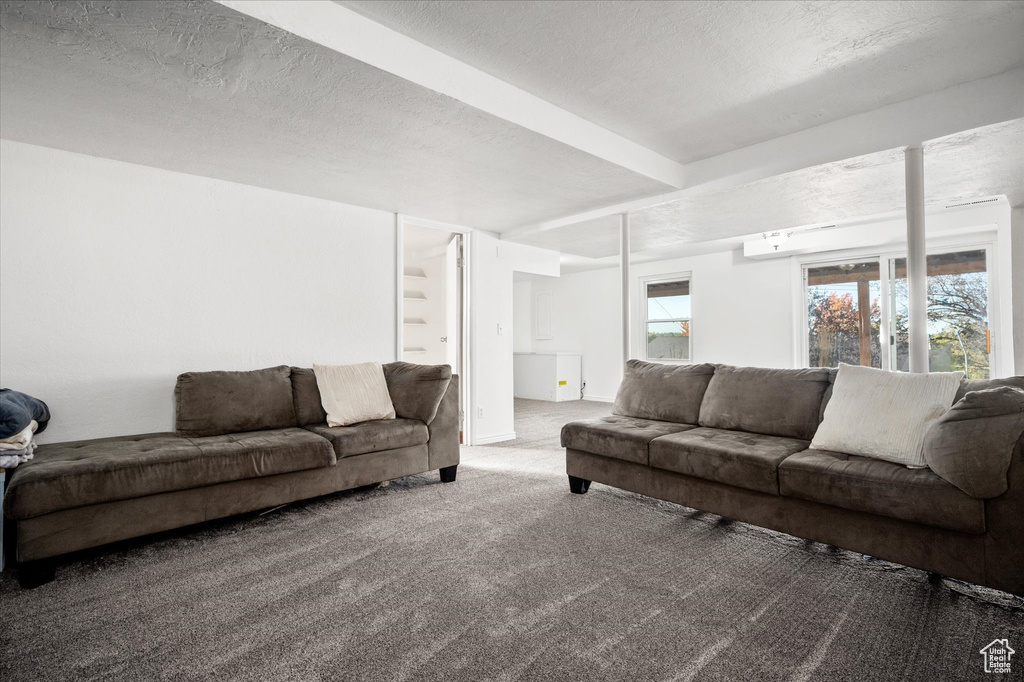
501,437
598,399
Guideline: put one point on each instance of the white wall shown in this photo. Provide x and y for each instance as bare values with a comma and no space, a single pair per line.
522,317
1017,249
114,278
491,265
741,309
744,310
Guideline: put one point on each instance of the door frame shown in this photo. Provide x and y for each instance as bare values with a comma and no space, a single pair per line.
466,235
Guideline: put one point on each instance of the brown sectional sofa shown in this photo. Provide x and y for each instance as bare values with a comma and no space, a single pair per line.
735,442
244,441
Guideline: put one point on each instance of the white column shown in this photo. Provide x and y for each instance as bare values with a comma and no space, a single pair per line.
917,261
624,269
399,289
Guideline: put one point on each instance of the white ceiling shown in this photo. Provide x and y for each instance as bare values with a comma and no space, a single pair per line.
199,88
692,80
979,163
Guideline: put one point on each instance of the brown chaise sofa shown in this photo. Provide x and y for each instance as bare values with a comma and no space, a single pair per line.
734,442
244,441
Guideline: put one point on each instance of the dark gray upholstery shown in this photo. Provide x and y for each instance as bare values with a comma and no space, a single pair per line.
214,403
877,487
82,494
616,436
75,474
972,443
309,408
70,530
747,460
445,430
416,390
968,385
372,436
662,392
775,402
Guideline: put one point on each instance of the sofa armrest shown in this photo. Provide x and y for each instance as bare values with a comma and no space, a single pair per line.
443,446
1004,530
417,390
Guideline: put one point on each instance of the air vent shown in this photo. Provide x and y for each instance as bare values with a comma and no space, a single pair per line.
972,203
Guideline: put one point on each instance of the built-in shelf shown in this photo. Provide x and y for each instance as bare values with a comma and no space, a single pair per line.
414,350
415,296
414,322
414,273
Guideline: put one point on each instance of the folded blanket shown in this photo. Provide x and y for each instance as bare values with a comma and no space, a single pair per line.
18,410
20,440
9,461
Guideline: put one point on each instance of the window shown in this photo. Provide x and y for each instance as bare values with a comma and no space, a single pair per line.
857,313
667,321
843,315
958,334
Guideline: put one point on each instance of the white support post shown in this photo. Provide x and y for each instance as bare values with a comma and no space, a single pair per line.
624,269
399,289
917,261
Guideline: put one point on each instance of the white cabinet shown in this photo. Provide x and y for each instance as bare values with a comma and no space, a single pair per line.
546,376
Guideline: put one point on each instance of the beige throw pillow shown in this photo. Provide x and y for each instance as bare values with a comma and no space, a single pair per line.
880,414
353,393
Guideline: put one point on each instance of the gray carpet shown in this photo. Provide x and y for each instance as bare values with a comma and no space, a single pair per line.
502,575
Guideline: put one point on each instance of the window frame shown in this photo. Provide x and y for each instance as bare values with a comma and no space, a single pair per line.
643,282
883,257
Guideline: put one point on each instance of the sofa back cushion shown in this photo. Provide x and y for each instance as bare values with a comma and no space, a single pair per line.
416,390
968,385
309,409
972,444
215,403
775,402
669,393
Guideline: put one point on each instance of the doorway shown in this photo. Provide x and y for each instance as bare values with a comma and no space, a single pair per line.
432,305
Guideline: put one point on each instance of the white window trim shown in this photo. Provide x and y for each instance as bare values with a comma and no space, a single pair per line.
641,336
987,241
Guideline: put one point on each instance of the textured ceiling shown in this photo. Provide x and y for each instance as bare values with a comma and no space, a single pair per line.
692,80
198,88
983,162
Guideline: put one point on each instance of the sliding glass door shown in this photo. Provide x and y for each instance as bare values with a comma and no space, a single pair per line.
843,314
958,330
856,312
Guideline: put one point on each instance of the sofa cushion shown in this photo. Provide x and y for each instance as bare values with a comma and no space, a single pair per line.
774,402
352,394
75,474
372,436
885,488
745,460
306,397
968,385
671,393
625,438
972,444
214,403
416,390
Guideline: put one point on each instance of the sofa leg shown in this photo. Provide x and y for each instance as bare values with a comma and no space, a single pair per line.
32,574
578,485
448,473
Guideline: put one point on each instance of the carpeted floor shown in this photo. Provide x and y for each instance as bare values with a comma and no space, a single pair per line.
502,575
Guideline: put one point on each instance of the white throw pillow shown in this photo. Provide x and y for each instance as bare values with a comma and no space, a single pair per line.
882,414
353,393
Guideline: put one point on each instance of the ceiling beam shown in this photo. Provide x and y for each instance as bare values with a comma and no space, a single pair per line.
955,109
348,32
